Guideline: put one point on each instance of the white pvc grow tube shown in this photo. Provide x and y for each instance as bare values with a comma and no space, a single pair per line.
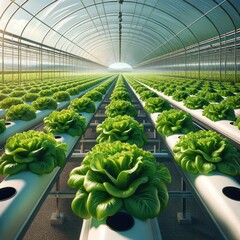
219,193
141,230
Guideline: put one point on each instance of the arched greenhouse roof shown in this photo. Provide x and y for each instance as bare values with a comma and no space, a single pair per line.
90,28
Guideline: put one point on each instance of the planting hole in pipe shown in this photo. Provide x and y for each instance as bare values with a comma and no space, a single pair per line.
57,137
231,123
7,193
121,221
7,123
232,193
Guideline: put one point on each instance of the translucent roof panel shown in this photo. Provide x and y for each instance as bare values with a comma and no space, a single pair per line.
90,28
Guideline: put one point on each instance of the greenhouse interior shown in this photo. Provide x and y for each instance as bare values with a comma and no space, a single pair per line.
120,120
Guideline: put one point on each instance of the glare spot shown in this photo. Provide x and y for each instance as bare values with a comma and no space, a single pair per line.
120,67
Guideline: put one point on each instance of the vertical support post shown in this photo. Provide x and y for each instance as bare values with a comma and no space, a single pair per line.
3,70
199,62
12,60
19,62
41,63
57,217
220,59
235,56
225,58
120,29
184,217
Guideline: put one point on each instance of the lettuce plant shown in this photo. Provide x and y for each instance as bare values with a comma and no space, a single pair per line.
213,97
23,112
161,87
94,95
191,90
205,151
120,107
121,128
35,151
120,95
169,91
140,89
83,104
101,89
2,125
73,91
232,101
3,96
225,93
156,104
34,90
144,95
65,121
45,93
61,96
217,112
6,91
179,95
30,97
43,103
120,88
202,93
195,102
237,123
116,176
174,121
10,101
17,93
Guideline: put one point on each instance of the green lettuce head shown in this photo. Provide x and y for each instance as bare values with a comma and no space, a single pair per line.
237,123
174,122
156,104
115,176
121,128
83,104
35,151
220,111
205,151
120,107
2,125
65,121
23,112
195,102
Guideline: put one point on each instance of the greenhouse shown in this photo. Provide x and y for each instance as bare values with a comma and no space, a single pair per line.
120,120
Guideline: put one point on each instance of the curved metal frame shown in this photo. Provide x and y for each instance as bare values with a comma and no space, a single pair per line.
105,34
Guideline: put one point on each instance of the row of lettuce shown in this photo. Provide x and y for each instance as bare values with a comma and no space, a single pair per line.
198,152
31,90
39,151
117,174
22,108
217,99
